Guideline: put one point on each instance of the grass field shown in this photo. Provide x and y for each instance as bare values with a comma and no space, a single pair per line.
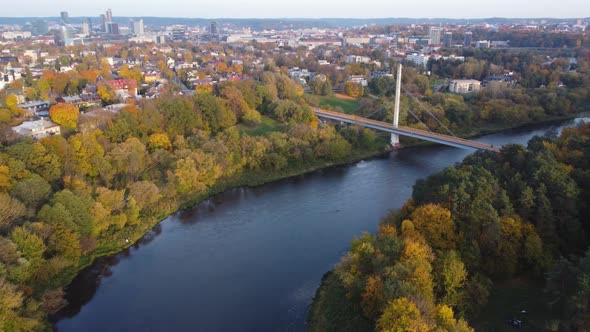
348,105
266,125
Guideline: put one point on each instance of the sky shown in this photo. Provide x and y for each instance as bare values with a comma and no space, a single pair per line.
304,8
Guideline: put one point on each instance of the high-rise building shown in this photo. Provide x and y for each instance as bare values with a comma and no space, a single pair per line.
39,27
214,30
137,27
64,18
161,39
109,15
103,22
177,32
468,39
448,40
67,32
87,26
434,35
113,28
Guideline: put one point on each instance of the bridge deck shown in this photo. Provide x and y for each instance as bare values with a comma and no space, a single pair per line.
406,131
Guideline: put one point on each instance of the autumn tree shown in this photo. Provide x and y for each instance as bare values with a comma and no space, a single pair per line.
372,298
106,93
353,89
159,141
65,114
11,102
401,315
435,223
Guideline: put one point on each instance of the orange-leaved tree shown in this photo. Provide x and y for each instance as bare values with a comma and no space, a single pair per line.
65,114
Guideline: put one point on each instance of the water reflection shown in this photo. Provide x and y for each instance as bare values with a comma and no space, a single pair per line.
87,282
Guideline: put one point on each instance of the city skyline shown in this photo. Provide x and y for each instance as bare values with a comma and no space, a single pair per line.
307,9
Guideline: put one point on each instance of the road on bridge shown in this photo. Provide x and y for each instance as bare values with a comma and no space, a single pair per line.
405,131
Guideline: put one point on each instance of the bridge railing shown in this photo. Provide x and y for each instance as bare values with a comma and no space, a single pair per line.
406,130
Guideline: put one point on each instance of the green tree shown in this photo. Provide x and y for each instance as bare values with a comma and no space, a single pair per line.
454,276
32,190
11,210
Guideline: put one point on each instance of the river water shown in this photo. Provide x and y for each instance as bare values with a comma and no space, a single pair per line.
251,259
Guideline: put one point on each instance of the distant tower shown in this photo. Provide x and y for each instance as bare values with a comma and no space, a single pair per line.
109,15
87,26
468,39
103,22
434,35
64,18
214,30
448,41
113,28
138,29
40,27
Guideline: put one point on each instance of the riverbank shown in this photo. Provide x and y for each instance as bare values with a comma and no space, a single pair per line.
332,310
249,179
129,238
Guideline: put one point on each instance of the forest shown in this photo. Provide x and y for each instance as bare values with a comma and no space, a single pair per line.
522,213
67,199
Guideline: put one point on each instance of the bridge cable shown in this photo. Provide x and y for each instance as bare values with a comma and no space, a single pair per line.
407,109
418,119
373,113
420,104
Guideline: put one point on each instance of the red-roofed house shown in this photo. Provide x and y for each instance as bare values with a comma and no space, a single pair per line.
123,87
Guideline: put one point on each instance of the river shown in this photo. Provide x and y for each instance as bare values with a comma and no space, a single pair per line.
250,259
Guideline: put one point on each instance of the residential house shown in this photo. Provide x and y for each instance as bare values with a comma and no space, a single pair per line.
464,86
36,107
152,76
357,59
360,79
37,129
124,88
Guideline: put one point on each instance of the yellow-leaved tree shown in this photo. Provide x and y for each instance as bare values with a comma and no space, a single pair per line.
159,141
401,315
65,114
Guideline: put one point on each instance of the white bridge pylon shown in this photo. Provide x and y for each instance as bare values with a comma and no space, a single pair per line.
394,140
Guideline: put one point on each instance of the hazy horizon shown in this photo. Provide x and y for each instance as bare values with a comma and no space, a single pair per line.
314,18
306,9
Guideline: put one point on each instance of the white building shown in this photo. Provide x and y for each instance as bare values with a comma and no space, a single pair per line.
483,44
464,86
419,59
138,29
357,40
14,35
37,129
434,35
144,39
359,79
357,59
